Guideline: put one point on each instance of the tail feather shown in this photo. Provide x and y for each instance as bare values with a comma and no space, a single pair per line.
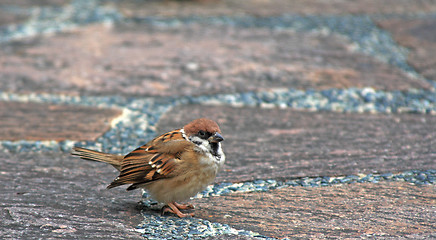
91,155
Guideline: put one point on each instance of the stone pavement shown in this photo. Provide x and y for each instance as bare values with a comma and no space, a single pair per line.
328,109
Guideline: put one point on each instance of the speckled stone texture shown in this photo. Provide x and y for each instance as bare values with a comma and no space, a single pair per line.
35,121
347,211
18,11
190,60
275,143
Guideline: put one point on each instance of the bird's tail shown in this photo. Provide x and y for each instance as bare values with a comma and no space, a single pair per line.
91,155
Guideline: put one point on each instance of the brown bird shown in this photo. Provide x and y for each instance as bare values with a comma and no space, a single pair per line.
172,167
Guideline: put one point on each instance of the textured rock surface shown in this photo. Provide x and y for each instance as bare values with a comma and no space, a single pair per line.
191,60
274,143
53,195
132,8
419,37
355,210
18,11
34,121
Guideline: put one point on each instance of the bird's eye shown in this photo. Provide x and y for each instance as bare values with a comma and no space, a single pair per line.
201,133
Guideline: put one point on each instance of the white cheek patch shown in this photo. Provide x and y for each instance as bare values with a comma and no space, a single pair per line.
202,144
205,147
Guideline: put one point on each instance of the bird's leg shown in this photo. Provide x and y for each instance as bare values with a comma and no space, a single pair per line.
183,206
171,207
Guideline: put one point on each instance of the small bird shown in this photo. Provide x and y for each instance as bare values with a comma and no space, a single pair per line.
172,167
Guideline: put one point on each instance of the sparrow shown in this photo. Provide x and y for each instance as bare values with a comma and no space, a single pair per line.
172,167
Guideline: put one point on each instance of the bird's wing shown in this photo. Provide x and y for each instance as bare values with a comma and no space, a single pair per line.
158,159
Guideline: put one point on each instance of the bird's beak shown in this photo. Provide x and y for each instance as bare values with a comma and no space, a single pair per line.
216,138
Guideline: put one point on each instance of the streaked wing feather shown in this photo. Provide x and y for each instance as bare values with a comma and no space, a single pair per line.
150,162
